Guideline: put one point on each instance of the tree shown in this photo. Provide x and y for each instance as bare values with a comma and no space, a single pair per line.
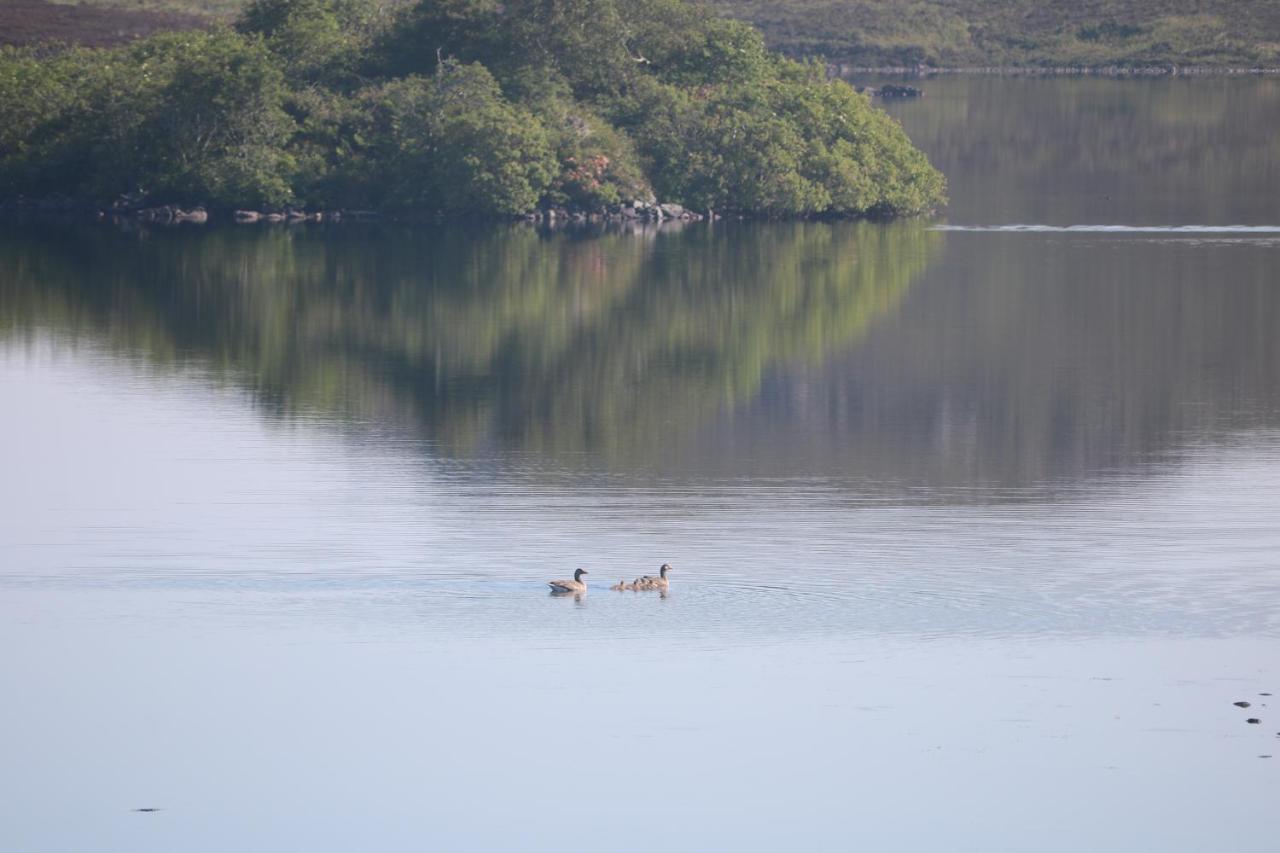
474,106
215,129
451,142
318,40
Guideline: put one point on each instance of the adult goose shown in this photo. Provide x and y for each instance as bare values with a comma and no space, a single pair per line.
575,585
651,582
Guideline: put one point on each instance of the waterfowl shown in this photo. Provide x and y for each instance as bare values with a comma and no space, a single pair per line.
619,585
651,582
575,585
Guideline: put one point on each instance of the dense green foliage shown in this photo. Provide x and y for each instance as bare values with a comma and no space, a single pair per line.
1240,33
186,116
461,106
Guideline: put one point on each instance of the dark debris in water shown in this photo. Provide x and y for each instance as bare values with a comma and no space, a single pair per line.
1253,721
1241,704
147,810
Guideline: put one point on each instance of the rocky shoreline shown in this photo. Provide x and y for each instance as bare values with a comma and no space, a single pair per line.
135,210
642,211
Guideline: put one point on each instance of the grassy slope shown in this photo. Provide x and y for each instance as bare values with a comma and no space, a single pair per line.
1021,32
224,9
25,22
1237,33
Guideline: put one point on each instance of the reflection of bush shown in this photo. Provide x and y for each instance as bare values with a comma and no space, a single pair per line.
715,313
558,342
1023,363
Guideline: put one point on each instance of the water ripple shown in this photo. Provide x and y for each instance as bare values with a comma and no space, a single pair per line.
1117,229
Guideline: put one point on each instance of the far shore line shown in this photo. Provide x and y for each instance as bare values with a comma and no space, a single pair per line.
840,69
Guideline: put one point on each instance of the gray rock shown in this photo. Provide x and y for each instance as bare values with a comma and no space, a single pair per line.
163,215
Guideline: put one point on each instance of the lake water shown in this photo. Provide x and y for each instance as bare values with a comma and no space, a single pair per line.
975,522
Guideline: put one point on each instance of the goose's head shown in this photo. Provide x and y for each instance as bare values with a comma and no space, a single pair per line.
666,567
577,575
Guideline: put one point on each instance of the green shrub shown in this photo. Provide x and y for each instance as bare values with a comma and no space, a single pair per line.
214,128
189,116
464,106
451,142
316,40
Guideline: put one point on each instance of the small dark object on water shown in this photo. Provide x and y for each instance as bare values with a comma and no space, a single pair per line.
1241,704
890,90
146,810
1253,721
1264,694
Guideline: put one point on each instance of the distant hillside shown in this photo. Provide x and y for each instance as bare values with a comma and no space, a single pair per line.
1238,33
24,22
941,33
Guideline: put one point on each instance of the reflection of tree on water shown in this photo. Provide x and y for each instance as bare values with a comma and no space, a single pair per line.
1026,360
712,315
613,343
783,350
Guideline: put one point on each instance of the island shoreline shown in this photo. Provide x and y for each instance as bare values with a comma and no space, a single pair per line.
72,212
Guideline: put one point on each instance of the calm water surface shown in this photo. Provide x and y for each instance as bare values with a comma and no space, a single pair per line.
975,526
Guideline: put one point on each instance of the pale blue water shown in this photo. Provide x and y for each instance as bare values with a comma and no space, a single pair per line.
974,529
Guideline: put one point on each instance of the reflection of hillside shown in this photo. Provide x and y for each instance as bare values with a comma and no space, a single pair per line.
1032,359
1101,150
607,343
